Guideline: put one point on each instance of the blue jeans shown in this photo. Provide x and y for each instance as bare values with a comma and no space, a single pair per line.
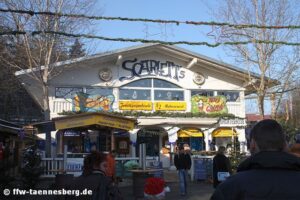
182,173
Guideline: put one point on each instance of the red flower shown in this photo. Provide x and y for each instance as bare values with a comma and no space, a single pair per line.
154,186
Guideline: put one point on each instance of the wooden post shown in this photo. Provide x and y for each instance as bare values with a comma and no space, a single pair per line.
65,158
112,140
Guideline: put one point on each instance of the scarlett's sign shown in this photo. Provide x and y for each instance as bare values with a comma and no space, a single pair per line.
152,68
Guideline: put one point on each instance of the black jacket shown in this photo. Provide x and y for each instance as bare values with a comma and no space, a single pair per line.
100,185
266,175
182,161
220,164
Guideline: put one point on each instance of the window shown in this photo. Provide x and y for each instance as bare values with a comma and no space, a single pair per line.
140,83
163,84
99,91
66,92
203,93
168,95
131,94
161,89
230,96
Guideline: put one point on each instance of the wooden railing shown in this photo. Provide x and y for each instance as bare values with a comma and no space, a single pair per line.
52,166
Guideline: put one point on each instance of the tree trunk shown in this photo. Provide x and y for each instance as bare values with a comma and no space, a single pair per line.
273,106
260,100
47,118
46,106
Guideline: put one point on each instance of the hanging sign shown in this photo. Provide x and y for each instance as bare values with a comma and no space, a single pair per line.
135,105
216,105
178,106
95,119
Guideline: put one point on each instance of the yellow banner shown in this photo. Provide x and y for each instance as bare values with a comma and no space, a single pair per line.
99,119
135,105
224,132
190,132
164,105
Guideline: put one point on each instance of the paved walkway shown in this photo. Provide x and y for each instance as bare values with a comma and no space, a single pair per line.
196,191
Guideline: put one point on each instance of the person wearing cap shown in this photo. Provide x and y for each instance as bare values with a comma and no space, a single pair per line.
182,163
269,173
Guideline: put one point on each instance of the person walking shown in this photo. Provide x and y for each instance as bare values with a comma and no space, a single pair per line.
221,167
182,163
269,173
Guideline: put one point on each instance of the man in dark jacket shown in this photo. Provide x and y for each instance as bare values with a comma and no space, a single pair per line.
270,173
221,164
183,163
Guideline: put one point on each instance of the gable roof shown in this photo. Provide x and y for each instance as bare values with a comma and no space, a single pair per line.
182,53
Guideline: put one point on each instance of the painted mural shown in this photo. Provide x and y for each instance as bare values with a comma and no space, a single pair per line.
90,103
209,105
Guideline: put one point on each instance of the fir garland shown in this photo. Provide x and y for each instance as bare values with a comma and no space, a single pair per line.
159,114
196,23
34,33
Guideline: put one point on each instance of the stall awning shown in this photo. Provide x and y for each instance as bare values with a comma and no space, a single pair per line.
224,132
87,119
190,132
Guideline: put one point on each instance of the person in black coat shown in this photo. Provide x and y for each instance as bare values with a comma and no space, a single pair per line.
220,164
270,173
182,161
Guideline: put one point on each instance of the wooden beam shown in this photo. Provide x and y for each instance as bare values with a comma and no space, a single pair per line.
191,63
119,60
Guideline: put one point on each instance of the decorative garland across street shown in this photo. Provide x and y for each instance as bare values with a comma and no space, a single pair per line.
34,33
196,23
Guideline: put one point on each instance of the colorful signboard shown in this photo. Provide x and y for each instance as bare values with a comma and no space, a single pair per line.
91,103
210,105
135,105
165,105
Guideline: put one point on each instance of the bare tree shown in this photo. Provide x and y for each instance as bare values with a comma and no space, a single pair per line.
38,53
267,60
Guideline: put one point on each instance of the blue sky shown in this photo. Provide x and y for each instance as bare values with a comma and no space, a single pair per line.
192,10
